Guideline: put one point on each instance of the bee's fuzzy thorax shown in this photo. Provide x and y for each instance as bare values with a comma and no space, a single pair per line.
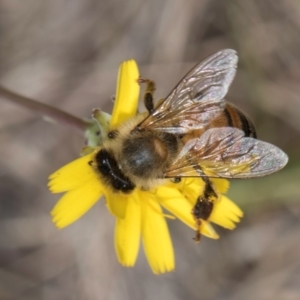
142,156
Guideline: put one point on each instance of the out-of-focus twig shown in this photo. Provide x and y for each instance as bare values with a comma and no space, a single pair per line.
46,110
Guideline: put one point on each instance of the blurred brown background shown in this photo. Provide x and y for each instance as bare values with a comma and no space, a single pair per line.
66,53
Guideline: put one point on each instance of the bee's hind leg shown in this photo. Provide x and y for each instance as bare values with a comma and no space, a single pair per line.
204,206
148,96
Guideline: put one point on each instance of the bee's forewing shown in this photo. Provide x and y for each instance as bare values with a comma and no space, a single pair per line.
225,152
198,97
209,80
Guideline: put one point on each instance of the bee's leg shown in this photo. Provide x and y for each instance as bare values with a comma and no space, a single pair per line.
204,206
197,237
148,96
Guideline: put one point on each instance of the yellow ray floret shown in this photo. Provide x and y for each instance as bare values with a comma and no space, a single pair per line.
128,232
127,94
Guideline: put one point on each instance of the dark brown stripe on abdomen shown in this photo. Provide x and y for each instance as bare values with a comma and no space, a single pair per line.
228,117
247,126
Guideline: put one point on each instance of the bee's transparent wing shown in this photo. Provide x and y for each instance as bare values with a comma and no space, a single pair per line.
225,152
198,97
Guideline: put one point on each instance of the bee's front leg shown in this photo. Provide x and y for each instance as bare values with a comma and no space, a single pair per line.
204,206
148,96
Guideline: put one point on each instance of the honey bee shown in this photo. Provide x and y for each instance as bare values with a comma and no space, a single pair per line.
193,132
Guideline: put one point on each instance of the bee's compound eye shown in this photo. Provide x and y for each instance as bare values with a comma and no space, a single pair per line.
112,134
103,164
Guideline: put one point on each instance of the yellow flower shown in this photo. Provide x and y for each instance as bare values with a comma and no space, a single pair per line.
139,215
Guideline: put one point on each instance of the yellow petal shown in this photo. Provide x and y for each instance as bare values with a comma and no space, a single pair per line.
156,238
174,202
72,175
127,94
221,185
117,203
226,213
192,188
75,203
128,233
208,230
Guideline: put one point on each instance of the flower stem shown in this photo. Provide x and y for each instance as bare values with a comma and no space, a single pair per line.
46,110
